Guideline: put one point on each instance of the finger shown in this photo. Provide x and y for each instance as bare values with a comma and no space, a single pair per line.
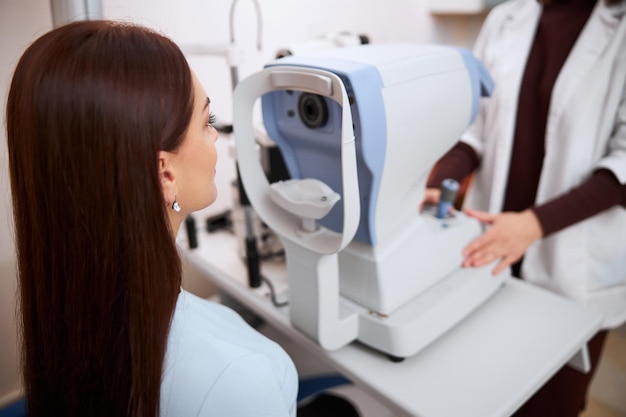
482,258
501,266
480,243
431,196
426,202
481,216
505,263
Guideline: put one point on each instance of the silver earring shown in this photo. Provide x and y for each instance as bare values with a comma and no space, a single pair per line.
175,205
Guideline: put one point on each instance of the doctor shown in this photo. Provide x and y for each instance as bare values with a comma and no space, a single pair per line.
549,155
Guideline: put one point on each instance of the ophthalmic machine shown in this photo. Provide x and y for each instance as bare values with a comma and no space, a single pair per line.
359,129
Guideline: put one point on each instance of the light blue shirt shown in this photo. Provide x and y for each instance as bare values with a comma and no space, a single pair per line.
217,365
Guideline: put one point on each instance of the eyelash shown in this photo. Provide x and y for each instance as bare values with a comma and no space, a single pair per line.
211,120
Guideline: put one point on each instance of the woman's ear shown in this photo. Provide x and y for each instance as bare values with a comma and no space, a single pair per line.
167,177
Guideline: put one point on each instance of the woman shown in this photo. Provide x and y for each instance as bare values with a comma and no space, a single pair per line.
110,148
549,155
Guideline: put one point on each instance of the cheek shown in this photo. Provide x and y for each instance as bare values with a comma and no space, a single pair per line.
212,162
211,159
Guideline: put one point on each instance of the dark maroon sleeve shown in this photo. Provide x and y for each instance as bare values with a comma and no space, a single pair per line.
600,192
457,163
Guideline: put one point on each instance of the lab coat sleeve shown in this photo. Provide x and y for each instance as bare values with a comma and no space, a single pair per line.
615,160
249,387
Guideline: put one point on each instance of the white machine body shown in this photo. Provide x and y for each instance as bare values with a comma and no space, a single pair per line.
360,129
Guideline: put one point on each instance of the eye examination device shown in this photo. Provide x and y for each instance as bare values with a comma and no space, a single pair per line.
359,129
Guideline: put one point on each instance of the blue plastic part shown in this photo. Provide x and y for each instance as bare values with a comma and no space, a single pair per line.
481,81
316,153
443,208
315,385
449,190
15,409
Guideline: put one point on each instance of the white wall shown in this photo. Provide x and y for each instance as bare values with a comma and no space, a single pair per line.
285,22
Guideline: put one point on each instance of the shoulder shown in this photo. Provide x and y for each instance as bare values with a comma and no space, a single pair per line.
249,386
210,346
504,24
199,322
510,8
510,11
201,329
245,385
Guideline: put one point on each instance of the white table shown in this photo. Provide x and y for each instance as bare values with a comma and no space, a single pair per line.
487,366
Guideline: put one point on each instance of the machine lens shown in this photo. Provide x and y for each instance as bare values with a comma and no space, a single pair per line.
313,111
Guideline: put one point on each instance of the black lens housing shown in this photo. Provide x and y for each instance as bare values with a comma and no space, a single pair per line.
312,110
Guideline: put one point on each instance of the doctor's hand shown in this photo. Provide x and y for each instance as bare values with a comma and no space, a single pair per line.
507,238
431,196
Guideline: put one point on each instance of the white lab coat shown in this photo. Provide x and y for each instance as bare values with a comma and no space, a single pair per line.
586,130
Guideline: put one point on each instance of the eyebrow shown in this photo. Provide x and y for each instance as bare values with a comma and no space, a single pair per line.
208,100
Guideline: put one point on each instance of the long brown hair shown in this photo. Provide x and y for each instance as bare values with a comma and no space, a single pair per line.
90,106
